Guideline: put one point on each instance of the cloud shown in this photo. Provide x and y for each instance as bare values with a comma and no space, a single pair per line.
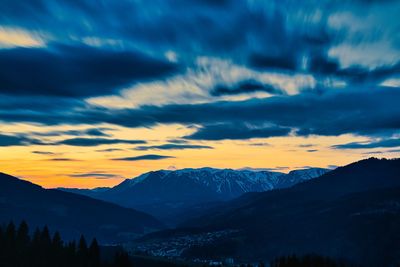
308,113
12,37
284,62
88,132
177,141
172,147
75,71
259,144
96,175
236,131
306,145
44,153
18,140
312,150
110,150
144,157
356,74
395,142
251,47
245,87
62,159
96,142
195,27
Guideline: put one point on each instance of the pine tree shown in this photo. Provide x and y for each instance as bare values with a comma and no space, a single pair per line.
82,252
57,248
35,250
94,254
10,234
45,238
23,238
57,242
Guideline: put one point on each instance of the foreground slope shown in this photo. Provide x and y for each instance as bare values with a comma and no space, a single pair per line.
70,213
352,212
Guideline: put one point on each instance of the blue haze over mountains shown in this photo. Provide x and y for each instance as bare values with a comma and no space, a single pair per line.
173,196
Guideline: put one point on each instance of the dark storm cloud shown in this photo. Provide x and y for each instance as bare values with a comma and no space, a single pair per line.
74,71
259,30
395,142
125,42
96,142
363,111
245,87
144,157
356,74
172,147
284,62
236,131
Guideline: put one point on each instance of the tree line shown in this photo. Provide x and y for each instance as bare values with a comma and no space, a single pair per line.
19,248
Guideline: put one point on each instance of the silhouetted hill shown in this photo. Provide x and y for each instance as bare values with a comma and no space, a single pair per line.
70,213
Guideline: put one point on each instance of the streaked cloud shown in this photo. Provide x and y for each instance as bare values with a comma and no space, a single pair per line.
172,147
62,159
110,150
144,157
44,153
395,142
75,70
18,140
14,37
96,142
237,131
96,175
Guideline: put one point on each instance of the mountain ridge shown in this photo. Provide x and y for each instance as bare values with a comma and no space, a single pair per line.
169,193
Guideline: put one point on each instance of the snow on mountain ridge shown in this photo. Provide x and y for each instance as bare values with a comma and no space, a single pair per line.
228,181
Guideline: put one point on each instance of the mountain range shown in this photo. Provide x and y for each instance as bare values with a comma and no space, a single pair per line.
352,212
71,214
175,196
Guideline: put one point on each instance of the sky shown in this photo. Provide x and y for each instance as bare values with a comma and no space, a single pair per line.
93,92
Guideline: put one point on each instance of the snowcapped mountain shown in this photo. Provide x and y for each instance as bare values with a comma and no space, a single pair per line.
167,194
227,183
224,183
299,176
